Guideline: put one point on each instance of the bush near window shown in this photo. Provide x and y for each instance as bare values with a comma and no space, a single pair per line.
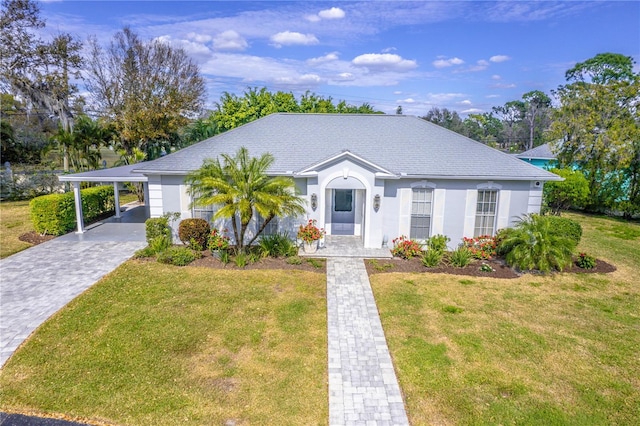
156,227
432,258
406,248
573,191
194,232
277,245
482,247
438,243
460,257
55,214
536,244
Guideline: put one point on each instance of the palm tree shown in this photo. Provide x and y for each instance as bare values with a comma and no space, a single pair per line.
534,243
241,186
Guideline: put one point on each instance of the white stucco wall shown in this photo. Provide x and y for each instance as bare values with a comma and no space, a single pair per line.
453,206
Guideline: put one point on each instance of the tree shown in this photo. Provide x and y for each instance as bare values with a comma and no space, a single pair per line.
399,110
511,115
536,105
83,143
148,90
572,192
598,123
484,128
233,110
445,118
241,187
38,71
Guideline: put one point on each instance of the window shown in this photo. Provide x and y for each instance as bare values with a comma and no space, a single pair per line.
270,229
343,200
421,202
203,212
486,212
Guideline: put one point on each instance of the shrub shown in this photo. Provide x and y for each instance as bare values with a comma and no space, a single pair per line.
157,227
573,191
277,245
179,256
460,257
218,241
534,243
194,231
585,261
432,258
294,260
438,242
55,214
566,227
240,260
485,267
482,247
406,248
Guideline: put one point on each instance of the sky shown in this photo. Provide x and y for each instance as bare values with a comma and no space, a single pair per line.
467,56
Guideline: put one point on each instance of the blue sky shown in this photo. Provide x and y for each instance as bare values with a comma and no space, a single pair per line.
466,56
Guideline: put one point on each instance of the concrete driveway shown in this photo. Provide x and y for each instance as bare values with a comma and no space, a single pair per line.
39,281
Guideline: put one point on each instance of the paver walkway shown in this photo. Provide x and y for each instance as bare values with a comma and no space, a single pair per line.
363,389
37,282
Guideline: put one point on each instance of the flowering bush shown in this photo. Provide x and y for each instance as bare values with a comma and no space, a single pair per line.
585,261
218,241
406,248
310,232
482,247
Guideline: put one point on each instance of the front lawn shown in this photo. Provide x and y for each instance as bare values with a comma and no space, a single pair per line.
560,349
162,345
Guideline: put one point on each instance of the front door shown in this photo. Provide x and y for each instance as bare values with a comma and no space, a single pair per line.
343,213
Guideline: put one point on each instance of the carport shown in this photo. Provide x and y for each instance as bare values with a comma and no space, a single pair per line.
114,176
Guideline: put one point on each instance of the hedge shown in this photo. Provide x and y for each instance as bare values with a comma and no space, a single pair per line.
55,214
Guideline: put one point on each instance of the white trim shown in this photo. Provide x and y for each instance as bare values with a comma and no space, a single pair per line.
423,184
490,185
346,154
323,186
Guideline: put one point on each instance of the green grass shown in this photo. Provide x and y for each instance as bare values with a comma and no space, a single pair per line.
15,221
559,349
162,345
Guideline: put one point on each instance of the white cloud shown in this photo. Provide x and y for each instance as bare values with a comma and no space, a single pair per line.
305,79
465,102
443,63
229,40
499,58
443,98
480,65
406,101
384,62
471,111
397,92
503,86
333,13
312,18
200,38
345,76
198,51
287,38
496,77
492,96
388,49
329,57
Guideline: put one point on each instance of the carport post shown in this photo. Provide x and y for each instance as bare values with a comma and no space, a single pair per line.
77,196
116,194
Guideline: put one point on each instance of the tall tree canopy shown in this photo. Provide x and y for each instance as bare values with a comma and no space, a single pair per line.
233,110
599,123
147,89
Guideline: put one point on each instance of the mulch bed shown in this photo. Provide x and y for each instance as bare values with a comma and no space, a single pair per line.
208,261
501,269
34,238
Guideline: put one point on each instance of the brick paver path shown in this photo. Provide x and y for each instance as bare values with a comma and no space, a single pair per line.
363,389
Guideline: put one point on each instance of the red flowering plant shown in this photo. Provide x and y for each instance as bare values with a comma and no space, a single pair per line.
310,232
406,248
482,247
218,240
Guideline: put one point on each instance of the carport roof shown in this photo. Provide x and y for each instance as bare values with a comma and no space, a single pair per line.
114,174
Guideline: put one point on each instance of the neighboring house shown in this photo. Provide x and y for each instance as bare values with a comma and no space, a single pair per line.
541,156
373,176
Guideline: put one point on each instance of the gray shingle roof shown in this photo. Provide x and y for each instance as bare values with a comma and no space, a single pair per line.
404,145
542,152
